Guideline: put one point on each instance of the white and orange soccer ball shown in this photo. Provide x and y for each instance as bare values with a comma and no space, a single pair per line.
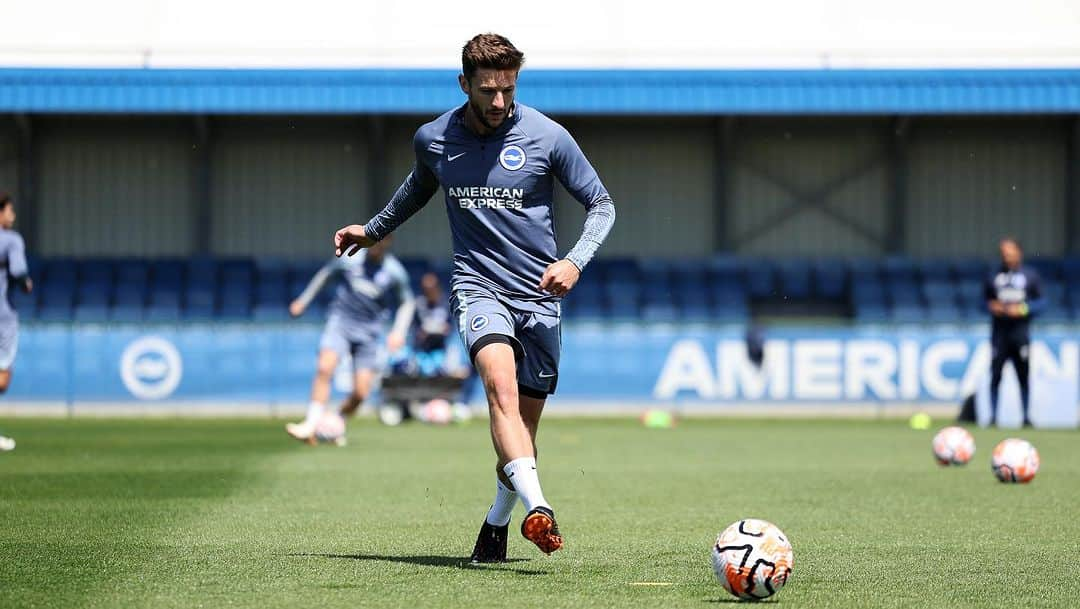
953,446
1015,460
752,559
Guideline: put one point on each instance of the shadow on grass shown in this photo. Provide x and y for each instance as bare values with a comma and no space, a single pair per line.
431,561
735,600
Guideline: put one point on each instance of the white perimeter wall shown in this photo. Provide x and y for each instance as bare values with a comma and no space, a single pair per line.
556,33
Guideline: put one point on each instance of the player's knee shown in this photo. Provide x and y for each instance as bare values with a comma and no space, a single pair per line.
4,382
502,391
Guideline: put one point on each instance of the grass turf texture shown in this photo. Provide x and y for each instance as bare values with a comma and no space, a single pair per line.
189,513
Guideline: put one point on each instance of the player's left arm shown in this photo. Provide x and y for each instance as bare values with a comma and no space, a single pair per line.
406,310
1035,302
18,269
578,176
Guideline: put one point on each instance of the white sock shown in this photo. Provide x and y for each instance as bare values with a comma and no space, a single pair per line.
522,474
505,500
314,412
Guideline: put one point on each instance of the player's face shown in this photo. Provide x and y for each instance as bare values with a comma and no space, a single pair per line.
7,216
491,94
1011,254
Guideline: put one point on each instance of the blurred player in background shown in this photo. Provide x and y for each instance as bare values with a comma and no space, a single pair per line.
497,161
432,328
356,321
15,272
1013,296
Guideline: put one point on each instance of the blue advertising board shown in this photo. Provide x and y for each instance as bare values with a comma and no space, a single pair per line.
267,364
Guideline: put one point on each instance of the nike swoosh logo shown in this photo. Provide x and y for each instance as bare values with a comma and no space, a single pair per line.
545,376
452,157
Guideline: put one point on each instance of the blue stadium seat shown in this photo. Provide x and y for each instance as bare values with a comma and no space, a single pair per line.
944,313
795,279
270,312
236,270
1070,270
971,269
272,289
91,313
907,313
60,271
202,271
899,269
1049,269
734,311
868,292
163,312
126,312
236,301
761,280
871,312
127,271
130,295
830,279
623,299
934,269
940,293
903,292
167,272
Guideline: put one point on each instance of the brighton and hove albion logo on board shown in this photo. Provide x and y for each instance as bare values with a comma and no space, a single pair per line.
512,158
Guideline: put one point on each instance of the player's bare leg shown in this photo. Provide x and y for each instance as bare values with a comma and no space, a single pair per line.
514,419
320,394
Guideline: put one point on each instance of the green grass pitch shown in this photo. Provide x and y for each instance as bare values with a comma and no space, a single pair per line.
199,513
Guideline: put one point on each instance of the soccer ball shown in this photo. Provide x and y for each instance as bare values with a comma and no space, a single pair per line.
437,412
752,559
1015,460
953,446
330,428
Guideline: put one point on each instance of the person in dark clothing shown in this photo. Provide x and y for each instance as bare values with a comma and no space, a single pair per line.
1013,296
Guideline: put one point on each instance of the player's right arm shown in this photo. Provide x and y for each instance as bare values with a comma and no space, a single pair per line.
298,306
18,270
417,189
990,294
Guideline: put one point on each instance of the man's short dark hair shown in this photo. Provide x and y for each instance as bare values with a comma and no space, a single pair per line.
5,200
490,51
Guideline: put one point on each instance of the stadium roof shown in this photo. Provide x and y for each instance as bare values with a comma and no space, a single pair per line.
660,92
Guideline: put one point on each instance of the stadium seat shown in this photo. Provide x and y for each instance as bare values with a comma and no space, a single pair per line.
944,313
1049,269
761,280
903,292
623,300
270,312
940,293
830,278
934,269
871,312
795,278
899,269
971,269
126,313
908,312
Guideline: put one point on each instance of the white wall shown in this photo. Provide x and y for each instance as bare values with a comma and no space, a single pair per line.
557,33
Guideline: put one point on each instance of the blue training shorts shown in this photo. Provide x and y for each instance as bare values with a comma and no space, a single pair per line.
536,338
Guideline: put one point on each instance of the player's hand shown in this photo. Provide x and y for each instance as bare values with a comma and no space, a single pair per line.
1014,310
28,286
395,341
997,308
351,239
560,277
296,308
